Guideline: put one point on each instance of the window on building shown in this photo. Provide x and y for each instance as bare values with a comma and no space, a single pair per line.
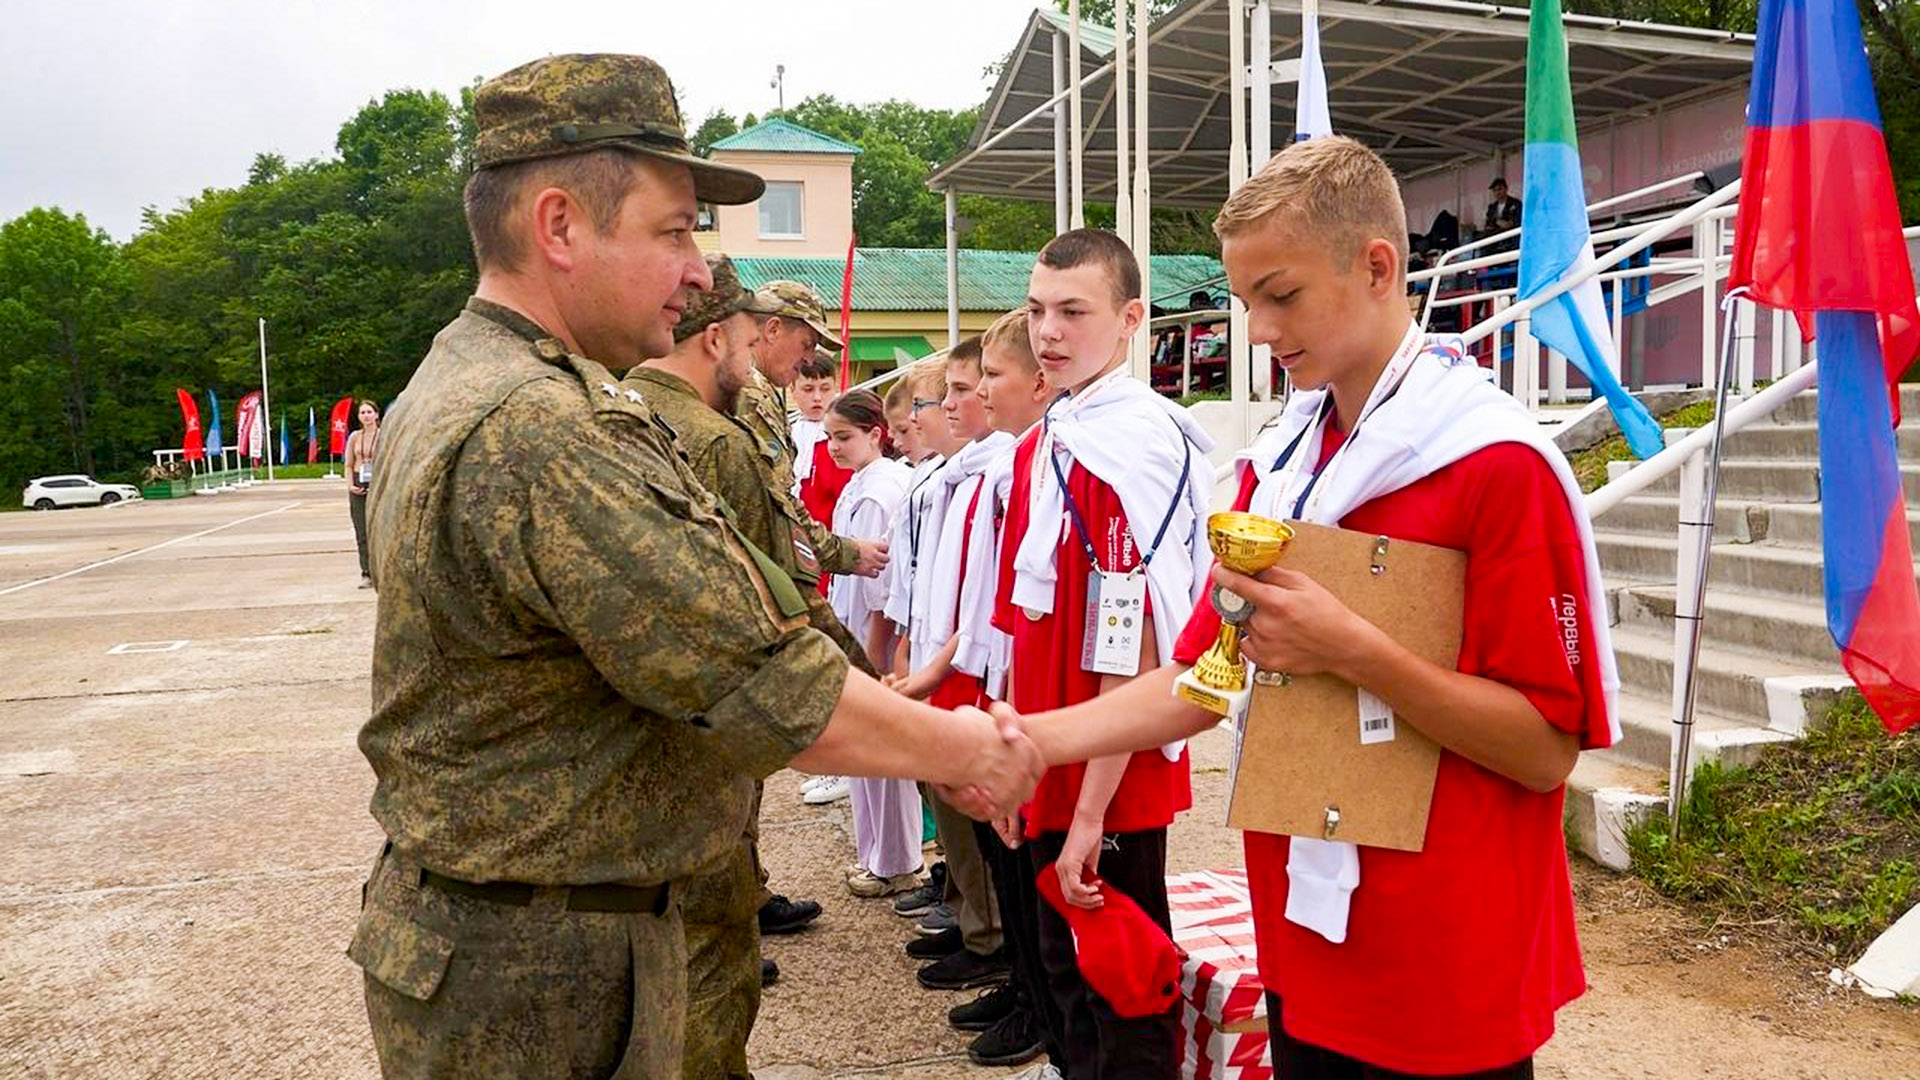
780,214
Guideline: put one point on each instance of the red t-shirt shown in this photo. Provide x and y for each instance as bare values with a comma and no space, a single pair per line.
820,492
1046,670
1456,956
960,688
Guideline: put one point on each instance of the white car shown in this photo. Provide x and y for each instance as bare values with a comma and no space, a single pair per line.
74,489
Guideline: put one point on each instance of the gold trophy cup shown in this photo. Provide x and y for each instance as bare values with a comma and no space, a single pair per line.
1245,544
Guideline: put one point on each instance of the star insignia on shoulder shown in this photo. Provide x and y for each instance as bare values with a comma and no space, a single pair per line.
609,389
636,397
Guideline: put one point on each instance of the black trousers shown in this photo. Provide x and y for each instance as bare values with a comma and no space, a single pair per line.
1100,1043
1020,904
1296,1060
357,510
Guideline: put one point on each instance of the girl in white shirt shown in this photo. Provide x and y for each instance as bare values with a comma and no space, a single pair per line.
886,813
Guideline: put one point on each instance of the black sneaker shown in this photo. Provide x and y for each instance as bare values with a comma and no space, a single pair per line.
1015,1040
964,971
984,1011
945,943
783,916
922,900
769,972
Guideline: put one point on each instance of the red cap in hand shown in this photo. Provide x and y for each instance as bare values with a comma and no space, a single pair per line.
1124,955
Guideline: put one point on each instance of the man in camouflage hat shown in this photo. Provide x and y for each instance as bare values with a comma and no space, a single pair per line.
579,667
788,336
695,389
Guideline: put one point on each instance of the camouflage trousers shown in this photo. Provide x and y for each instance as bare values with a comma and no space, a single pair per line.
723,965
464,987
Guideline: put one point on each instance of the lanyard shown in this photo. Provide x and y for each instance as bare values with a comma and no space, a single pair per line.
914,514
1080,524
1411,345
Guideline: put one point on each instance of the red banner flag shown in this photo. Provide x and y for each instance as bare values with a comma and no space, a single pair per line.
846,316
190,444
250,439
342,410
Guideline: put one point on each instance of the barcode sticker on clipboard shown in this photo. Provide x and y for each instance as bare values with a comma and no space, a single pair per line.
1376,719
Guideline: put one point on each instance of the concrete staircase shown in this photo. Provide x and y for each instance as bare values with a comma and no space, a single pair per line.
1767,666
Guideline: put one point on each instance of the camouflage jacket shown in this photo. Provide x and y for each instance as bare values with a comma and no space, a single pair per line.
763,408
579,669
740,468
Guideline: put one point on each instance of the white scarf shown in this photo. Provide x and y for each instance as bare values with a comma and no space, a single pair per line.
962,478
1445,408
984,649
1136,442
806,435
900,548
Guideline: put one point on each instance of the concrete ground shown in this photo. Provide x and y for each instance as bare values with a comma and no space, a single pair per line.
186,833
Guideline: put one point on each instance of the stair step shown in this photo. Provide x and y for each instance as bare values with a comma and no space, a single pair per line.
1646,730
1731,684
1797,442
1659,515
1804,408
1795,481
1765,625
1606,795
1799,525
1774,569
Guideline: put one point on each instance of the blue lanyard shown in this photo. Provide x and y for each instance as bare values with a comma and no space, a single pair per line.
1080,524
913,521
1300,504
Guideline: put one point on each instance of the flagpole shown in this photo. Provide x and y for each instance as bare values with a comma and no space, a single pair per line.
266,402
1691,599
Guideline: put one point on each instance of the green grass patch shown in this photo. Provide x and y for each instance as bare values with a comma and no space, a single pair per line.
1820,838
1590,465
1203,395
300,472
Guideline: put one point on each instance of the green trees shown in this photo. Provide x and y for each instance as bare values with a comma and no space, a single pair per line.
354,261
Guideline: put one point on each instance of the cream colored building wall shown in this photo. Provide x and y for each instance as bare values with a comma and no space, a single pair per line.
826,215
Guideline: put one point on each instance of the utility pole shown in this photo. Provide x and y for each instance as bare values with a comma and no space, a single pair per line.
779,85
264,400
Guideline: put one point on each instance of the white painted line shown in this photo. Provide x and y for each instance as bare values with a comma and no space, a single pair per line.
128,647
156,547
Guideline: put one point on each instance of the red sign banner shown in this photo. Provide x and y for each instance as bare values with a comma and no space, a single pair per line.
190,444
342,413
250,439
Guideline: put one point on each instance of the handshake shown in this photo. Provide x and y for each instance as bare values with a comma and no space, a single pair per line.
999,767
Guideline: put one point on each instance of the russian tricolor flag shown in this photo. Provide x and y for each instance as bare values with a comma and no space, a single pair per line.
1819,231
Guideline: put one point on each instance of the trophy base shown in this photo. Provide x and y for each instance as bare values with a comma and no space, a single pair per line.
1227,703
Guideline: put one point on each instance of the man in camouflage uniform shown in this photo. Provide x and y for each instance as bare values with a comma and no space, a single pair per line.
579,668
694,389
788,336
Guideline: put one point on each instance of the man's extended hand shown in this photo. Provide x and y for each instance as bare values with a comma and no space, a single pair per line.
1002,769
1297,627
872,557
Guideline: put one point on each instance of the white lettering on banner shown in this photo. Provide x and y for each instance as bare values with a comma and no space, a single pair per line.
1566,612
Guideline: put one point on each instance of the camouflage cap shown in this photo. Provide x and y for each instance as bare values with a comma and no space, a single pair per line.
727,297
798,301
569,104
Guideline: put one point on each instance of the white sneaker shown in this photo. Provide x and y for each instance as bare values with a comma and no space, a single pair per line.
831,792
1043,1071
869,884
812,782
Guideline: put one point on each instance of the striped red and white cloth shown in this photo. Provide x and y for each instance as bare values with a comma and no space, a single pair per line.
1213,927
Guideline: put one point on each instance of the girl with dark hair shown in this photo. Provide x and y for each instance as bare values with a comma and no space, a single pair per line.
886,813
361,447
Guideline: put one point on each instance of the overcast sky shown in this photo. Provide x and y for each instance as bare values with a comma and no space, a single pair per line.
107,106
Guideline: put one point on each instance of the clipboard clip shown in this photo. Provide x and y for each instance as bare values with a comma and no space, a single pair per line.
1379,556
1332,823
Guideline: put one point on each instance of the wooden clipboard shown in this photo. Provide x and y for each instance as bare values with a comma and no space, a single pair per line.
1300,751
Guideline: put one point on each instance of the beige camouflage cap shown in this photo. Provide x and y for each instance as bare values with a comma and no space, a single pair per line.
727,297
800,302
585,101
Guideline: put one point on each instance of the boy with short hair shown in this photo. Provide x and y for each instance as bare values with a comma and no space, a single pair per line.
1014,394
1453,959
818,479
1104,523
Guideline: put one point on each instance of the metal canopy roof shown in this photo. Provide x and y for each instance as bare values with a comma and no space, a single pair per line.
1426,83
